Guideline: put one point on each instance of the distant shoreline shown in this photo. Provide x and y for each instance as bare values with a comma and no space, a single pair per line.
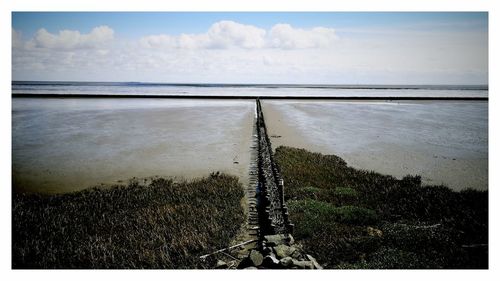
263,85
365,98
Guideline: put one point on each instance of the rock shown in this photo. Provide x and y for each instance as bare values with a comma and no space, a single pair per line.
241,256
374,232
296,253
256,258
303,264
283,251
314,261
221,264
275,240
286,262
271,262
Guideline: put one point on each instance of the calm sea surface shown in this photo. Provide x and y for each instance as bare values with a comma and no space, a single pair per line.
83,88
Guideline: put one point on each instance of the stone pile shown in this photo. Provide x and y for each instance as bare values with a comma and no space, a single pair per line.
278,252
268,214
272,208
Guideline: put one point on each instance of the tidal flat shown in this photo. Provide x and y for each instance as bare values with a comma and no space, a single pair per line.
68,144
355,209
445,142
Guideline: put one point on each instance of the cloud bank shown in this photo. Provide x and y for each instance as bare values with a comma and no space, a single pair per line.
232,52
230,34
71,39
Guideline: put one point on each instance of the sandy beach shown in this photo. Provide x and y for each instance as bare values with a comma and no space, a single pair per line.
444,142
61,145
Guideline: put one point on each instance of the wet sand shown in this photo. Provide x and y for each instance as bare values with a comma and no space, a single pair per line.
446,142
61,145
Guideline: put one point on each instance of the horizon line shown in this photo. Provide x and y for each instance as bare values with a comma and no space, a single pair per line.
264,97
13,82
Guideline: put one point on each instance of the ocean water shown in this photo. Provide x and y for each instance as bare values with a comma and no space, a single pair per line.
67,144
92,88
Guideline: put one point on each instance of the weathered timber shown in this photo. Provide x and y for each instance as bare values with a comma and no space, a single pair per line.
273,214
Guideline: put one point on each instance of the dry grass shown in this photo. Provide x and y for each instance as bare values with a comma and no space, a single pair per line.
161,225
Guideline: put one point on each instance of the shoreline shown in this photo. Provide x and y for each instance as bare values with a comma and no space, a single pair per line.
252,97
436,164
371,220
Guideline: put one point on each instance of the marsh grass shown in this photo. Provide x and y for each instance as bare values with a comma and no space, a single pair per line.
335,209
160,225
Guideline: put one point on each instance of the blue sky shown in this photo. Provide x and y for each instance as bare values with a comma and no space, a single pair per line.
411,48
136,24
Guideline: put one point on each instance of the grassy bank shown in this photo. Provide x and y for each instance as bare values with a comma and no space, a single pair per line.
161,225
349,218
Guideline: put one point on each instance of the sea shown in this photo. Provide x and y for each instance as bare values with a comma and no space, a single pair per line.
62,143
176,89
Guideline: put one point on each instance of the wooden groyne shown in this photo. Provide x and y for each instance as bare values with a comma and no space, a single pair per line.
267,211
268,218
272,211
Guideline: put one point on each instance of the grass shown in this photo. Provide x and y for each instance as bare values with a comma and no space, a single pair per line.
161,225
350,218
320,210
345,192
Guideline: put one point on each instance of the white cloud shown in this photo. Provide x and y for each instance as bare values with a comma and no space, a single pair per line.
16,39
159,41
286,37
221,35
267,60
230,34
71,39
225,34
232,52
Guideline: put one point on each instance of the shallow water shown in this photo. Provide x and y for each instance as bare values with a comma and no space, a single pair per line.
61,145
444,141
98,88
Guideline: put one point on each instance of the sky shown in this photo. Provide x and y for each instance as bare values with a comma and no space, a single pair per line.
312,48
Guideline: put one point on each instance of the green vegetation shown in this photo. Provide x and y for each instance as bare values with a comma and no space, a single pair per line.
319,210
349,218
161,225
345,192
